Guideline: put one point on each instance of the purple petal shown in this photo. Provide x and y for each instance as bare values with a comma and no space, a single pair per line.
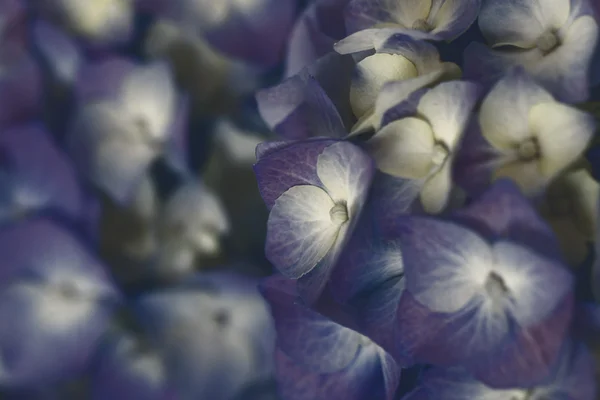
40,176
574,378
315,33
299,108
374,38
60,51
102,79
334,72
439,262
364,379
287,166
453,17
307,337
519,358
20,90
502,212
374,292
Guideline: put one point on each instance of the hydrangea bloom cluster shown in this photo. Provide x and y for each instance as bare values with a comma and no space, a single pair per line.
299,199
432,202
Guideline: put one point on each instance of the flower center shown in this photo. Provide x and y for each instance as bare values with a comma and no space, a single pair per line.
339,213
547,42
422,25
529,150
496,287
440,154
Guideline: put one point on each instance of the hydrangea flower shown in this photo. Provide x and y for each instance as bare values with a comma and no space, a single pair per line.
427,19
35,176
553,40
214,332
127,117
320,359
56,302
572,378
422,146
315,191
485,290
523,134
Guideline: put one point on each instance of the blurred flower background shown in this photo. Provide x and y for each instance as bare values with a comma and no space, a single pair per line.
299,199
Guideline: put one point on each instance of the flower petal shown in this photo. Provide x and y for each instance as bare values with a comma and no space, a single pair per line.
288,164
563,134
504,113
148,94
447,107
370,76
299,108
106,146
403,148
453,17
307,337
363,14
436,189
300,230
346,172
503,212
519,22
565,71
445,264
536,284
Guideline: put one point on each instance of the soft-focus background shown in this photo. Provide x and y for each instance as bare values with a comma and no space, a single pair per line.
132,230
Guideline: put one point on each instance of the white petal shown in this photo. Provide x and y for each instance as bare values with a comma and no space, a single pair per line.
148,95
105,144
436,190
394,93
448,108
526,175
406,12
345,170
565,70
536,284
370,76
403,148
504,114
563,134
300,231
521,22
